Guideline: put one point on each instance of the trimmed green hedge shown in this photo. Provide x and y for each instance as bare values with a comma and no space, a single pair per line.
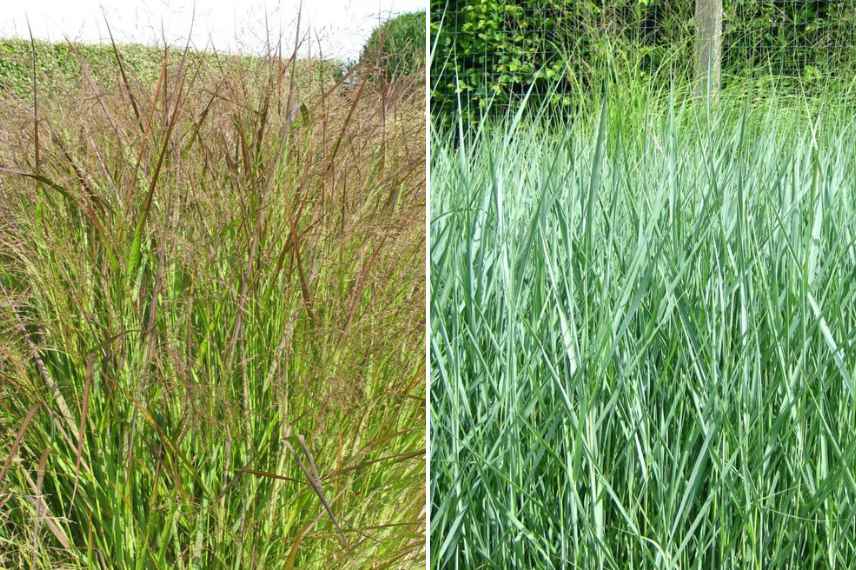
58,62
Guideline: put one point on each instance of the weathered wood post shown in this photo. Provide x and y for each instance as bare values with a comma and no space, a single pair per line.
708,19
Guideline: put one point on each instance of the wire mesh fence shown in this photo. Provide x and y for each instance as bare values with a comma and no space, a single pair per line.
496,49
790,37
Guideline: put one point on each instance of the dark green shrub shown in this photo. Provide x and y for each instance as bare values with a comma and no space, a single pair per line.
397,47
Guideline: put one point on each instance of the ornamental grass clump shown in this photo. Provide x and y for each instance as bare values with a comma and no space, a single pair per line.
642,337
211,346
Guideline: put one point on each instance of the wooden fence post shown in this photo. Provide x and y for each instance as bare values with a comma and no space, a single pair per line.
708,19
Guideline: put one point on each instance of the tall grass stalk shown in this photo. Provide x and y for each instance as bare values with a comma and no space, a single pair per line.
642,342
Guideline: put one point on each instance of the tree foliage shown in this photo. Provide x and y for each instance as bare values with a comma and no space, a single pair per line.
397,47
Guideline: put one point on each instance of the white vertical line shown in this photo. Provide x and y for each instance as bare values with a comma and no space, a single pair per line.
427,285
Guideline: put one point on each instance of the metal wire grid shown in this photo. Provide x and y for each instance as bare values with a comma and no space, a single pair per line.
792,38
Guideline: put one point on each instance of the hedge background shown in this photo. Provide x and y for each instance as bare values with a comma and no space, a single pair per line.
498,48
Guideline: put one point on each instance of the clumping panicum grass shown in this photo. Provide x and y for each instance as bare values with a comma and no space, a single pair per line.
642,347
211,321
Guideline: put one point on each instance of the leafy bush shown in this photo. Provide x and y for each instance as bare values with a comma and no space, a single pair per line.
397,47
497,49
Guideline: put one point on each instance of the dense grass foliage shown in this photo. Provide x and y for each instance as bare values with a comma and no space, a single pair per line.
211,322
642,338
